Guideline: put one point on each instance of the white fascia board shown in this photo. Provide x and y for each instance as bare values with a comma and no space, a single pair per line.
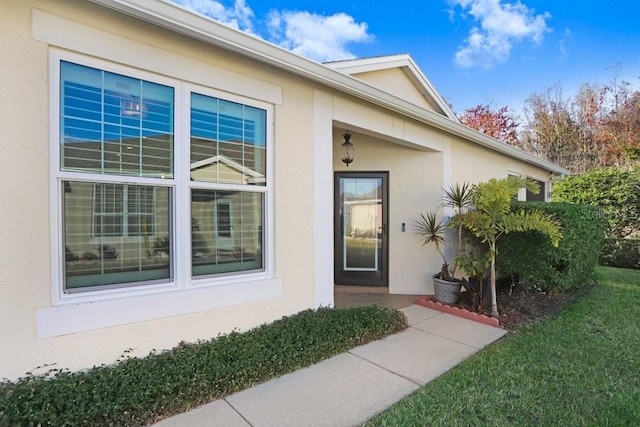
372,63
425,82
509,150
180,20
403,61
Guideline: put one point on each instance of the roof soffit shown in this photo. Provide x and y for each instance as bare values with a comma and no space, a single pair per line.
182,21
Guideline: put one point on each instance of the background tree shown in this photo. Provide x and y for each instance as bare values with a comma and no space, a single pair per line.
621,127
599,126
550,131
499,124
588,110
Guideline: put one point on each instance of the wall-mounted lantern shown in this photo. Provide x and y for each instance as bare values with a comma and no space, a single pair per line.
348,151
133,107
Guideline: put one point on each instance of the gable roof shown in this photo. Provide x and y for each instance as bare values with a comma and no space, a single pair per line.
403,62
248,174
199,27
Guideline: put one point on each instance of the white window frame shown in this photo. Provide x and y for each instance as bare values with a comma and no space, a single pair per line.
180,193
266,190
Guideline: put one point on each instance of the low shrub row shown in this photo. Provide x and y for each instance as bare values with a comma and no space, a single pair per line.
531,257
622,253
138,391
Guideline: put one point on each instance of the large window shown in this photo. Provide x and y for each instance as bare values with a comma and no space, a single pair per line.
228,162
134,215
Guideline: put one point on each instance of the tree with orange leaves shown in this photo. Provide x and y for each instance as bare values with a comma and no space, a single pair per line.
498,124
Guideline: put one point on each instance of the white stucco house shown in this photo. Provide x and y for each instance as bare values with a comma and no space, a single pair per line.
169,178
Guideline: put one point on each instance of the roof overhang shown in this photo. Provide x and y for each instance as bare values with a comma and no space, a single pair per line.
403,62
183,21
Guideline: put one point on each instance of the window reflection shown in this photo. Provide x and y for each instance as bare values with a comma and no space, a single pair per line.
226,231
228,142
115,233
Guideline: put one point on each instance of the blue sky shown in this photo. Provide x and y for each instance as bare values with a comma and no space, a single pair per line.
495,52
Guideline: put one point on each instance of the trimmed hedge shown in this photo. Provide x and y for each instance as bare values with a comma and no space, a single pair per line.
531,257
140,391
622,253
615,191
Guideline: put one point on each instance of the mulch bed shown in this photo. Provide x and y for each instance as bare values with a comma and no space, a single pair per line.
518,303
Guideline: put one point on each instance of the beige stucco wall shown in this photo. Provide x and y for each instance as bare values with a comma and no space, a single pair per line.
416,179
473,163
25,225
395,81
419,159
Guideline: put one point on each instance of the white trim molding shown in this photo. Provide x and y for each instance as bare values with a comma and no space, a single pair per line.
74,318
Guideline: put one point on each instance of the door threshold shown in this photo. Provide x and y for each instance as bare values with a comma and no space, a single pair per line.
349,289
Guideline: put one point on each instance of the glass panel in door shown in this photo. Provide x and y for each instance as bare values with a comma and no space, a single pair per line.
361,229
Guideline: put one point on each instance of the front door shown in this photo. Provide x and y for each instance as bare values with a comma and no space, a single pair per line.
360,228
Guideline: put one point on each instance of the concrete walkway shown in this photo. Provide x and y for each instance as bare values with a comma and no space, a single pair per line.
352,387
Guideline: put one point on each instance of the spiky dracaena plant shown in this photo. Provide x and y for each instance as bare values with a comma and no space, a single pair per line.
457,197
491,217
431,231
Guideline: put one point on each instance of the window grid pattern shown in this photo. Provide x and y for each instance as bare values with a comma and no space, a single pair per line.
119,232
123,210
112,124
229,137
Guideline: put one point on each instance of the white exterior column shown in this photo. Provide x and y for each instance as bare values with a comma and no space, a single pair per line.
323,198
447,179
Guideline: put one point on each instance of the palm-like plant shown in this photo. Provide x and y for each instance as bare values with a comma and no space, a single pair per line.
491,217
457,197
431,231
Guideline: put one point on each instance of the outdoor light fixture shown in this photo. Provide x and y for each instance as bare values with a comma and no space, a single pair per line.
348,151
132,107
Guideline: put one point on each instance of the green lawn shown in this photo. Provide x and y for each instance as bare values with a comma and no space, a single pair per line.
579,368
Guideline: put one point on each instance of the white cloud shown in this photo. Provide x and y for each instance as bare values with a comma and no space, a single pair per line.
323,38
239,16
501,25
562,44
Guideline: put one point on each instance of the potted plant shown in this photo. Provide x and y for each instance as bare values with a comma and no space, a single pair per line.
491,217
431,230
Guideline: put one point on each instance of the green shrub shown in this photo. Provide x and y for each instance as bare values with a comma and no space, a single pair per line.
623,253
615,191
532,258
138,391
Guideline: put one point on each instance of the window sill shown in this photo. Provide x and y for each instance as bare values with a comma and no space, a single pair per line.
74,318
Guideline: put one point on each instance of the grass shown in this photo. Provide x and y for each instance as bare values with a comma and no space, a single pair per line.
581,367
